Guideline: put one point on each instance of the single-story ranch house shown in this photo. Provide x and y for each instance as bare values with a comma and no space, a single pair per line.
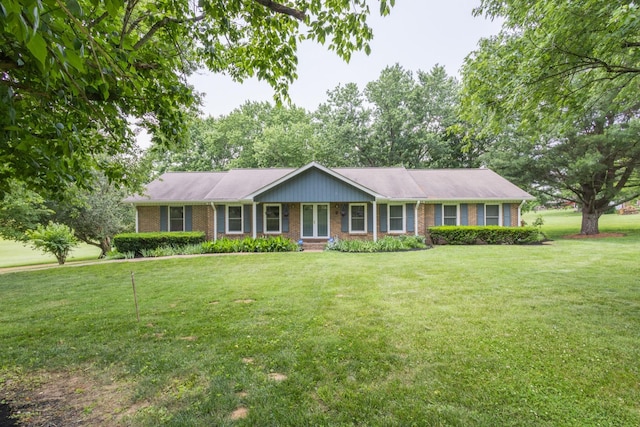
315,203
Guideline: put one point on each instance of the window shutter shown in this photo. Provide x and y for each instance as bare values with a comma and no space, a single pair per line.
480,209
259,218
370,217
411,215
438,214
220,218
464,214
285,218
246,214
164,218
188,222
344,222
382,214
506,216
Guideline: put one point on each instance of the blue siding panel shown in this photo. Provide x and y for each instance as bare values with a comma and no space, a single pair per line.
464,214
314,186
220,218
259,219
480,209
506,217
164,218
382,217
187,218
411,215
246,218
438,214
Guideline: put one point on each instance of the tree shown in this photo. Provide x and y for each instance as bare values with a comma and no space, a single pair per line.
55,239
95,215
21,210
544,79
74,74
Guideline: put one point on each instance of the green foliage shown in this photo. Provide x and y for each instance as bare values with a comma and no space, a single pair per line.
55,239
21,209
74,74
386,244
485,235
249,244
139,242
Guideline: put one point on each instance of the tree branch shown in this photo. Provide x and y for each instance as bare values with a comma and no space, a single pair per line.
280,8
163,23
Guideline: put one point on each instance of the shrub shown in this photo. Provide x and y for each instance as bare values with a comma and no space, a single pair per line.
139,242
249,244
490,235
56,239
386,244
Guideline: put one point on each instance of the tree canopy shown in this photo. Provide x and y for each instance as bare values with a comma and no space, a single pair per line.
557,89
75,74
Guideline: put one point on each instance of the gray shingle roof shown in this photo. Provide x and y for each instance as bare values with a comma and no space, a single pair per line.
391,183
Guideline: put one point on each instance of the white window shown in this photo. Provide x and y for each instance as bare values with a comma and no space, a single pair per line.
449,215
176,218
357,218
272,219
234,219
396,218
492,215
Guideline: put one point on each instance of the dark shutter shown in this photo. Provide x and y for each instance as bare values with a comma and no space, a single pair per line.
344,221
246,214
411,215
188,223
370,217
438,215
285,218
220,218
382,214
480,210
164,218
506,218
464,214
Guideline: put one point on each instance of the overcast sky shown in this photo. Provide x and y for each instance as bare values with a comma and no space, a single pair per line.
418,34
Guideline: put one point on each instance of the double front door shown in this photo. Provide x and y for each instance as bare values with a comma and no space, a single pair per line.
315,220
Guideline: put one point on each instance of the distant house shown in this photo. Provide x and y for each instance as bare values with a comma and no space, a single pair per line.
315,203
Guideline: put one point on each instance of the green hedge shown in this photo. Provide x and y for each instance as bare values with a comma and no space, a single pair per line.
488,235
139,242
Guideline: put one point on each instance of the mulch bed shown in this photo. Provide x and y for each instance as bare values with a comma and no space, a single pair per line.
593,236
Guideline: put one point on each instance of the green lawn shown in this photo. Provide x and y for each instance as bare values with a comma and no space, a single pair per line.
14,254
544,335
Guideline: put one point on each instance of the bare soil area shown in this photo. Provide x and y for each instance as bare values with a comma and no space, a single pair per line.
593,236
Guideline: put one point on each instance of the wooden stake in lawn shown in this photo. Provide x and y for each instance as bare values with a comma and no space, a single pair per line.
135,297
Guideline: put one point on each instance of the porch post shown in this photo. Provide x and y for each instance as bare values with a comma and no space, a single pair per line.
375,221
415,218
254,211
137,223
215,222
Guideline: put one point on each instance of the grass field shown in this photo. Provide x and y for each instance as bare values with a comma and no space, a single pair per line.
544,335
14,254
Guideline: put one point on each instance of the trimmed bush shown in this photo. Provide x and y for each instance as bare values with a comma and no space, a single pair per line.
488,235
249,244
386,244
140,242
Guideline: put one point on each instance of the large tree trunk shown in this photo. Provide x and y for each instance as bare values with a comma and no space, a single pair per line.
590,222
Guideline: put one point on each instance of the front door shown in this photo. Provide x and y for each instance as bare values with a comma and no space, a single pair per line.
315,221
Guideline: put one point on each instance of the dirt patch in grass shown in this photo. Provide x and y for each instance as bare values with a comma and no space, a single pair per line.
593,236
67,399
245,301
239,413
275,376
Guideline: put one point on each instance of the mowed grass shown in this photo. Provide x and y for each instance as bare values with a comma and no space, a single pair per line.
15,254
543,335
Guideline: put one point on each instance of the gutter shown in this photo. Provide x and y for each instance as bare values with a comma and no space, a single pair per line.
215,222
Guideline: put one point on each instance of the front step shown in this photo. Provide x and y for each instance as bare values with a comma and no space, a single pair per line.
315,246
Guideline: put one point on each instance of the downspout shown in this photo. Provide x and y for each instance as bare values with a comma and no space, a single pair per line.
215,222
375,221
519,213
415,219
137,226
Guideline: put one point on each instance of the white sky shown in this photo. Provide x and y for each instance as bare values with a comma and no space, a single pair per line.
418,34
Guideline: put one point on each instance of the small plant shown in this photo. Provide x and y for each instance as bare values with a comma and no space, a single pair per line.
56,239
386,244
